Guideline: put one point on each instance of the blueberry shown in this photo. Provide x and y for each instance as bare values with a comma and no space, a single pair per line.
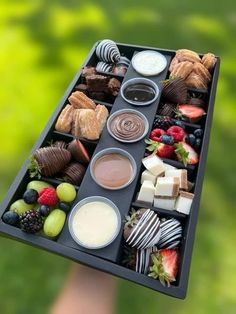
30,196
64,206
167,139
198,133
11,218
198,144
44,210
180,124
190,139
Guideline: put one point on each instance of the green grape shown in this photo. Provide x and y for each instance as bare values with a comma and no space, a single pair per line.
54,223
38,185
20,206
66,192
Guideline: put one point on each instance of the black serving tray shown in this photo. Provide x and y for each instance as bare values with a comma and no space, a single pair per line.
109,258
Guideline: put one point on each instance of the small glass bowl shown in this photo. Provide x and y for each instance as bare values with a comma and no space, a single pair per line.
90,200
140,80
108,151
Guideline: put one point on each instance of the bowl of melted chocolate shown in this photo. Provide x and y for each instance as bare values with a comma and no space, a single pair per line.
127,125
113,168
139,91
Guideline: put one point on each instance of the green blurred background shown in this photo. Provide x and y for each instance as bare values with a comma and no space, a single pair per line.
43,43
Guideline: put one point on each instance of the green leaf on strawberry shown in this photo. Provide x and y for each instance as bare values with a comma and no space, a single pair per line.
181,153
152,145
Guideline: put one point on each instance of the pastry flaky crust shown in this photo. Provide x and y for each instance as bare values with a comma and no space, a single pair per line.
64,121
101,115
188,65
196,81
86,124
182,69
173,64
187,55
80,101
199,69
209,61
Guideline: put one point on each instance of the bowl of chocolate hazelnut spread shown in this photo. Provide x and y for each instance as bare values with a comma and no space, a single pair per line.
127,125
113,168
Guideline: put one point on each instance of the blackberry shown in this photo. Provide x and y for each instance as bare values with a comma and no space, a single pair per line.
167,110
162,122
31,221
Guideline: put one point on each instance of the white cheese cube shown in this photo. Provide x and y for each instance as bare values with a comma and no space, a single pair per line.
167,186
182,174
164,202
184,202
154,164
147,175
146,193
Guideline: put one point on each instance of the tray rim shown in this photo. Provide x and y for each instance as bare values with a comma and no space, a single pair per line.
97,262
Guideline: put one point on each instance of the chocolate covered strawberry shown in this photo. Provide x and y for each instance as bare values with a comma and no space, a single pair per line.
142,228
48,161
190,113
186,154
164,266
78,151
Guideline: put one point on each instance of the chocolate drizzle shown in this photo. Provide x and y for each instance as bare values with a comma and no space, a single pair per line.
51,160
74,173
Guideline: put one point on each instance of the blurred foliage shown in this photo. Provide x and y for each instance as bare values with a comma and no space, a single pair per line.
43,43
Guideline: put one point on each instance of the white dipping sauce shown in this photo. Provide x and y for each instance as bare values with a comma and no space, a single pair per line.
95,224
149,62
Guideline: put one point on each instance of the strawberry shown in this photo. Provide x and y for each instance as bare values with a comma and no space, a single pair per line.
176,132
156,134
190,112
186,153
164,265
48,196
162,150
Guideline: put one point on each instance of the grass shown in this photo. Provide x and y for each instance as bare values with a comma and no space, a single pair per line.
43,45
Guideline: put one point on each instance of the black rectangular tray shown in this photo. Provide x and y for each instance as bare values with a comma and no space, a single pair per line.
109,258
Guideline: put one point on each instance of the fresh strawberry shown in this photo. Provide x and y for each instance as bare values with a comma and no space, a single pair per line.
190,112
162,150
176,132
156,134
164,265
186,153
165,151
48,196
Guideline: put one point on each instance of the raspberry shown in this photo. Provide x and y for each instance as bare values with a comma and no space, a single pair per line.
176,132
156,134
48,196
